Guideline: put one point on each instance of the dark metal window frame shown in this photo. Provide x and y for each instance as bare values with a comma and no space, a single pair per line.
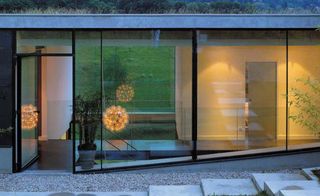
194,96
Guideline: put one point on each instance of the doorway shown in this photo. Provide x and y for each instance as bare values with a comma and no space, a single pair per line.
44,105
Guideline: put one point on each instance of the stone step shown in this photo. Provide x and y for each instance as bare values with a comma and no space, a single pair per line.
259,178
176,190
274,187
299,193
228,187
307,172
73,193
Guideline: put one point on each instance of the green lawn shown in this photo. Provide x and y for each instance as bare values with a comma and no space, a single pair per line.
149,70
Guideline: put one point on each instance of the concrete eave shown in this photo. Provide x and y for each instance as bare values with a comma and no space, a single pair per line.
150,21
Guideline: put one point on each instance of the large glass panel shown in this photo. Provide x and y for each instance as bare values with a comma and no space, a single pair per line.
147,96
304,88
47,41
88,100
29,109
241,91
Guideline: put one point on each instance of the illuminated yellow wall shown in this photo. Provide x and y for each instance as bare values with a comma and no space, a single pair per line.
304,61
221,86
221,80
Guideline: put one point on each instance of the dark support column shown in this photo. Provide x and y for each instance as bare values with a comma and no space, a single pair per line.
7,97
194,93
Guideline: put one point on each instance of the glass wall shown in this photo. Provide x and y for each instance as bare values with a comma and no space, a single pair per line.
304,89
145,91
241,91
147,76
88,98
133,92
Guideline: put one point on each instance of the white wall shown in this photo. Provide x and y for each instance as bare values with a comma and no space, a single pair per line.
183,92
56,96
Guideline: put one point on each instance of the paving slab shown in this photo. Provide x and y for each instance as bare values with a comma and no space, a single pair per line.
228,187
274,187
307,172
176,190
73,194
259,178
299,193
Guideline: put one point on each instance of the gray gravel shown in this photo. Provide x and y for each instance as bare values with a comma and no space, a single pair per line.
111,181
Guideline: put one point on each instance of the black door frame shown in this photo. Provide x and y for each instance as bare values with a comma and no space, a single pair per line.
18,150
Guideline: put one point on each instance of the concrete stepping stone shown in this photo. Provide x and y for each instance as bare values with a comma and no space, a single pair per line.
307,172
260,178
274,187
73,194
176,190
228,187
299,193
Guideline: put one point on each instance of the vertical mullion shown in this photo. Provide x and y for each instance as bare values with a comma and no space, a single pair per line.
194,93
73,103
101,104
19,160
287,91
14,93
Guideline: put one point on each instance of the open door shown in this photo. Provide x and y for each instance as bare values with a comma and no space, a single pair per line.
28,110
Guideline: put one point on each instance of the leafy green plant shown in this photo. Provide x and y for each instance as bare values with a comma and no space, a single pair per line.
88,115
306,101
6,130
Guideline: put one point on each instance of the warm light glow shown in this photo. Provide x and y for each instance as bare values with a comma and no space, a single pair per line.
115,118
29,116
125,93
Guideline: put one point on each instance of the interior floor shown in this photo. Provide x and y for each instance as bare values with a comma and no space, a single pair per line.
54,155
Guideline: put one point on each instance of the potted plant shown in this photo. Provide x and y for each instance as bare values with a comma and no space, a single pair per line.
88,117
5,136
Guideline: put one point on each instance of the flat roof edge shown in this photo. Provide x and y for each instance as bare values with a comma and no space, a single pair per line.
144,21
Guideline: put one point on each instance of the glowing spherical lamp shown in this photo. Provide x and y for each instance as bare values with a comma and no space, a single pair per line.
115,118
125,93
29,116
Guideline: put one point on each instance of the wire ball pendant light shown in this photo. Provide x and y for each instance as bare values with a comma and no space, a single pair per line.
125,93
115,118
29,116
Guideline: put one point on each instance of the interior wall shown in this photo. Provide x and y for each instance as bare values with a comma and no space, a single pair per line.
56,96
183,104
221,88
304,62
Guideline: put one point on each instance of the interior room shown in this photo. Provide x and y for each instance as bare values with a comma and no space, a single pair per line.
46,100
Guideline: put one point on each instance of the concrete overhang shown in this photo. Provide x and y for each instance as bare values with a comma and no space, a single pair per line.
155,21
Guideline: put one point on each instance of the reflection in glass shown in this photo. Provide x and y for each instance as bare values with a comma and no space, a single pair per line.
29,104
87,106
303,86
147,74
46,41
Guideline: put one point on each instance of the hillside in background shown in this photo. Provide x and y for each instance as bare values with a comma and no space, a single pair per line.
161,6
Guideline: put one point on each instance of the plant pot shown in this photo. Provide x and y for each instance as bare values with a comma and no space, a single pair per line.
87,154
86,159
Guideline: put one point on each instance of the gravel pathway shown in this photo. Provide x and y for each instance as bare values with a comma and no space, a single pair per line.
111,181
